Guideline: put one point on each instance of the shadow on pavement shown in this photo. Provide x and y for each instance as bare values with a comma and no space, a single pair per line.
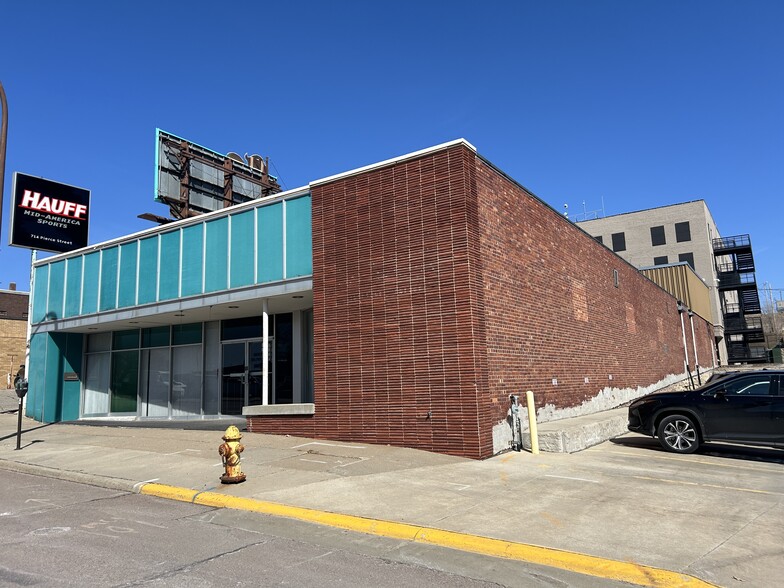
713,449
12,435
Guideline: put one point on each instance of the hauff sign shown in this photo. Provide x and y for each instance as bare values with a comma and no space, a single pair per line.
48,215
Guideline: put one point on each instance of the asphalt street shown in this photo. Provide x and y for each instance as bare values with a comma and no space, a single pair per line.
616,509
58,533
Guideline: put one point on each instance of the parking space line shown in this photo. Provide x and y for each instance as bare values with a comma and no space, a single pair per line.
686,483
571,478
329,445
704,462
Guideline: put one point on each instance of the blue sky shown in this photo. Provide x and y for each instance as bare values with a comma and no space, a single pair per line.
636,103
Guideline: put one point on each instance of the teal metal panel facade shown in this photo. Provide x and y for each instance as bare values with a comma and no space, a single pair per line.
262,244
108,296
40,293
242,249
299,257
54,303
36,379
169,276
73,287
216,267
72,356
126,294
148,276
192,263
270,243
92,265
50,397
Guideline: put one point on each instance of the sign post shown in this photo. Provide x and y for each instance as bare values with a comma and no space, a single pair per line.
49,216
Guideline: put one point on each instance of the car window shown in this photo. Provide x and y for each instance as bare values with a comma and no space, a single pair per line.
750,386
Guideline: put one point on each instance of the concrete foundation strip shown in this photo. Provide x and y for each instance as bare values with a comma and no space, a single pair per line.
630,572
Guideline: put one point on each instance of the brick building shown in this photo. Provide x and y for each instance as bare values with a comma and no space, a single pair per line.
687,233
400,303
13,333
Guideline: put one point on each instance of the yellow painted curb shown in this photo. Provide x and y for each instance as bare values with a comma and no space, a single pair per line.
170,492
589,565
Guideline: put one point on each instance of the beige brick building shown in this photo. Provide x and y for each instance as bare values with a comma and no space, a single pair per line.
664,235
13,333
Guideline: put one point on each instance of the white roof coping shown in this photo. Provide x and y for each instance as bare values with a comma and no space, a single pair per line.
394,160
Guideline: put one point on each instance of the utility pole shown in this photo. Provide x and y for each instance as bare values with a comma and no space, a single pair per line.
3,139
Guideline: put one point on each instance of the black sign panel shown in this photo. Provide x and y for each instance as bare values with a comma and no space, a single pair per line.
49,216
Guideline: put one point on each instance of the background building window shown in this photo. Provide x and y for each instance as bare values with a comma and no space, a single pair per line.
599,238
688,258
657,236
662,260
619,242
682,232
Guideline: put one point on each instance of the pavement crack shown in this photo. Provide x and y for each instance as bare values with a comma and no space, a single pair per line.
777,507
187,568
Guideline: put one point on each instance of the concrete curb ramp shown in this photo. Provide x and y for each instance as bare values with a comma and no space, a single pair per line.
630,572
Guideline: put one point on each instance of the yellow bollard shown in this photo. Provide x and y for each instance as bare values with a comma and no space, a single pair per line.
529,400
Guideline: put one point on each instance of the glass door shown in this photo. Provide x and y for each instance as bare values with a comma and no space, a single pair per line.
242,375
255,373
233,378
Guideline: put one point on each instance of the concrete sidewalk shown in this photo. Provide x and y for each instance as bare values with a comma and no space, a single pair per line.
565,511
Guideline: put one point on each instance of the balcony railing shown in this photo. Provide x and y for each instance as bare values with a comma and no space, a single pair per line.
743,324
729,277
738,353
731,242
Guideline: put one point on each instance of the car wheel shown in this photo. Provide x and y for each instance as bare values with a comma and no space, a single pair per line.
677,433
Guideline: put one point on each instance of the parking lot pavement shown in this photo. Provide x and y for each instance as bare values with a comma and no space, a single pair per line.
715,515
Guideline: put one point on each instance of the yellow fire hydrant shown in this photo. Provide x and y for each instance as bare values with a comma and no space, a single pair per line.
230,451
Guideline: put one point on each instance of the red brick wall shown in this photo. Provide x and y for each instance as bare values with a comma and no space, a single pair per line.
397,306
440,287
553,311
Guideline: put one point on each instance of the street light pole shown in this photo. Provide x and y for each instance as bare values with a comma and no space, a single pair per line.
3,137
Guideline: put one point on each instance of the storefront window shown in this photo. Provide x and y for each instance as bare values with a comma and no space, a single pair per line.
96,384
125,380
155,337
155,372
186,380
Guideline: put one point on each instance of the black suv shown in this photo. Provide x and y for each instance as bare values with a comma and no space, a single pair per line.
739,407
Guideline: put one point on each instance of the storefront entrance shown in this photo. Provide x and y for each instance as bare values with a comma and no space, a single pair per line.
241,369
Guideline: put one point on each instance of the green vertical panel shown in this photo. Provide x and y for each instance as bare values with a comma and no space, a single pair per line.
90,286
40,293
127,294
37,377
192,249
299,249
169,286
124,381
55,297
242,247
73,287
270,246
72,390
148,270
108,295
217,255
